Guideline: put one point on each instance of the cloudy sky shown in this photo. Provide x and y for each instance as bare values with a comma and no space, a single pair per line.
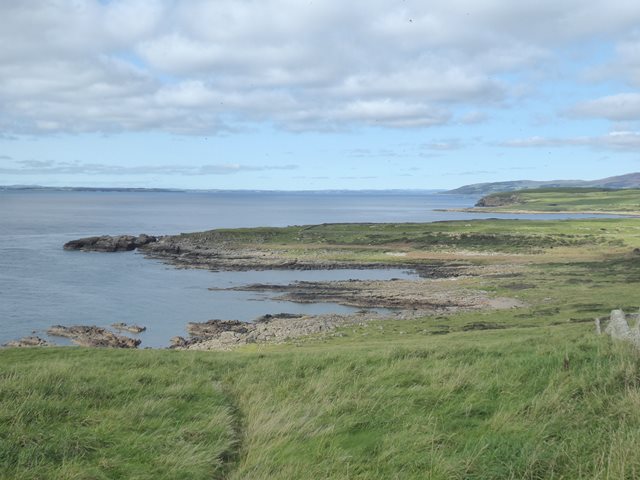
315,94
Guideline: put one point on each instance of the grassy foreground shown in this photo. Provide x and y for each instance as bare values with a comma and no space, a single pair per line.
528,393
493,404
591,200
94,414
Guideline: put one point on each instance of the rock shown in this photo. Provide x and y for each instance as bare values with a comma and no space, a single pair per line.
92,336
107,243
129,328
178,342
28,342
213,328
269,317
276,329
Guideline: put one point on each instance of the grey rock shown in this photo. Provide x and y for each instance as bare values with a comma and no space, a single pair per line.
618,328
107,243
178,341
213,328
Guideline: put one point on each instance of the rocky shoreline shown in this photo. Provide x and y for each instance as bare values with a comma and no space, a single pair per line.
439,290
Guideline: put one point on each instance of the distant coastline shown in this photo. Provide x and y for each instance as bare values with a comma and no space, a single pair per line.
185,190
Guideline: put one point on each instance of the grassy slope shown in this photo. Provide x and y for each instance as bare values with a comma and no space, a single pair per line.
396,399
572,200
492,404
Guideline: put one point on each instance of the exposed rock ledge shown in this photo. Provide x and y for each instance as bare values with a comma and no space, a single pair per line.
92,336
107,243
226,335
28,342
433,295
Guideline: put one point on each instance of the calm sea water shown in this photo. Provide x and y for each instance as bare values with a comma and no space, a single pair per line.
42,285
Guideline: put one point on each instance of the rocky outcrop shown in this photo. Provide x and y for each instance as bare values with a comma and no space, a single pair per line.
178,342
128,328
92,336
213,328
107,243
227,335
28,342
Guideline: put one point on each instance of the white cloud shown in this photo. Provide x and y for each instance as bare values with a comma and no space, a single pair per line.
473,118
620,107
530,142
616,140
445,144
198,66
50,167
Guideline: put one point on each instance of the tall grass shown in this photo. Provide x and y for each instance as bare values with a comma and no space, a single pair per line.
473,405
77,414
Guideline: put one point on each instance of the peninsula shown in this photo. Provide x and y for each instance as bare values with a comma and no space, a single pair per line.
562,200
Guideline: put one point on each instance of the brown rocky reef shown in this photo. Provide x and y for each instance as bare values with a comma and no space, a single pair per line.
92,336
107,243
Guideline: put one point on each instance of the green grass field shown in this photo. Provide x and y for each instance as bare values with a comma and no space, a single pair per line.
534,395
568,200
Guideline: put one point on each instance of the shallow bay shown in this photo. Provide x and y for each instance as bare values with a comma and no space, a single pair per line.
42,285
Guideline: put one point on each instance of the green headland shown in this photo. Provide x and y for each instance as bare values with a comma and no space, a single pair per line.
571,200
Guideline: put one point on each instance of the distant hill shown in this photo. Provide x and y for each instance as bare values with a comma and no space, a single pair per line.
630,180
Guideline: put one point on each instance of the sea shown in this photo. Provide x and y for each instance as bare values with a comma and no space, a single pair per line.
43,285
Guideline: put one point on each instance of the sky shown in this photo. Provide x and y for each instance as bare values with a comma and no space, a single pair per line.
319,94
